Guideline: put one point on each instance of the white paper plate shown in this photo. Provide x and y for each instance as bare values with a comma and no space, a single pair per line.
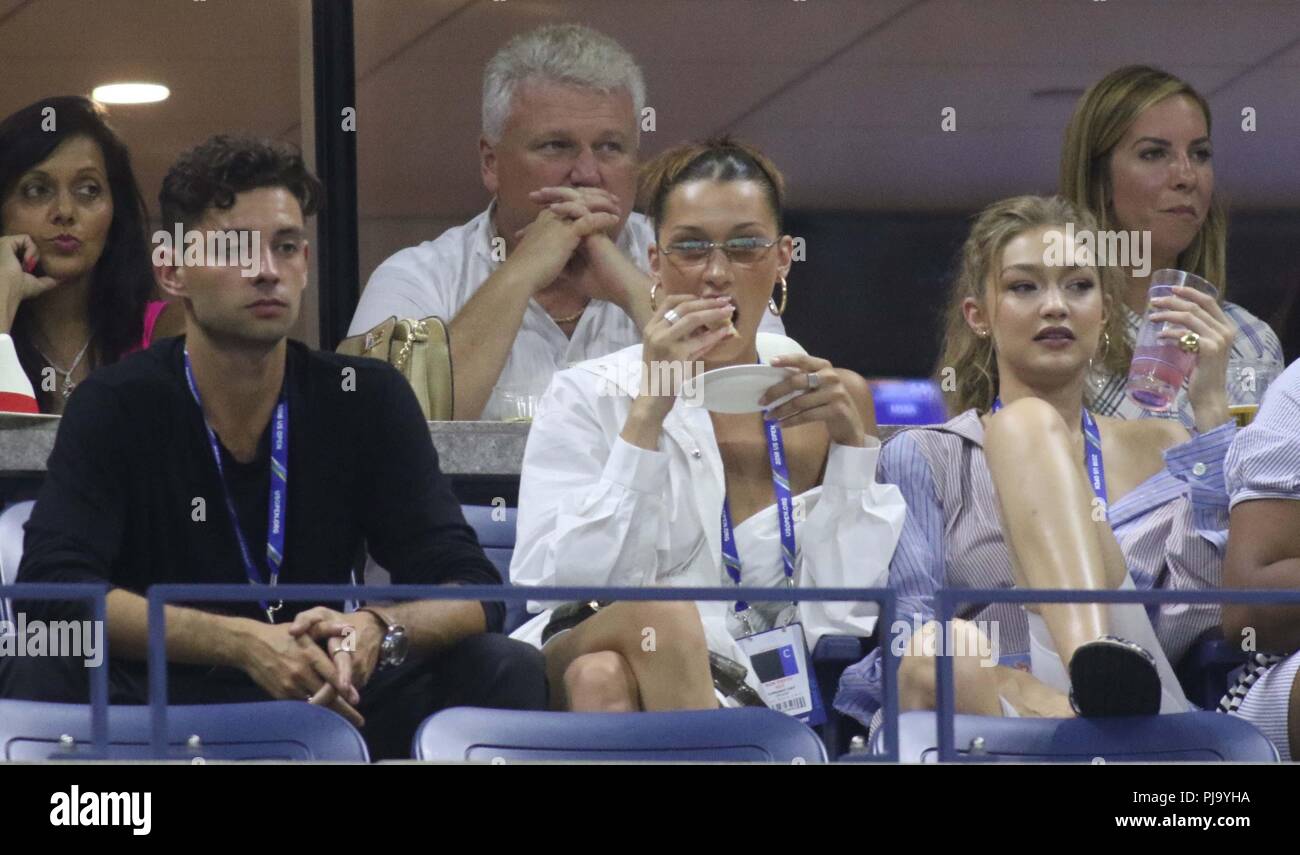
737,388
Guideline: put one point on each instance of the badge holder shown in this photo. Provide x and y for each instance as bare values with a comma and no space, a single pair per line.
780,661
778,656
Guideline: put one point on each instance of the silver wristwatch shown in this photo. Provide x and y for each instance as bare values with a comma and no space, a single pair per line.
396,643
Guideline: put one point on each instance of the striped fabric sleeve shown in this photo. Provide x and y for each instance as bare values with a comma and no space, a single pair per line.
1264,461
1255,338
1195,541
1199,463
915,572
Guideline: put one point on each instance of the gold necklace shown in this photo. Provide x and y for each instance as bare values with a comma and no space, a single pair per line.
568,320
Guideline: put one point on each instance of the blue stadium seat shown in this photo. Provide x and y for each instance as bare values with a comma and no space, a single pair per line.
497,537
908,402
12,520
271,730
1207,669
1198,737
731,735
830,657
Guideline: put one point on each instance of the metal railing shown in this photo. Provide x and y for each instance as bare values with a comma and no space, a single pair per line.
97,596
946,600
160,595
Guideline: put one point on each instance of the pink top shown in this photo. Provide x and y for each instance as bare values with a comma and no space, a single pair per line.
152,310
16,393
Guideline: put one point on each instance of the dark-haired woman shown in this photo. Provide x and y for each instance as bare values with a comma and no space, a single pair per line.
75,275
625,483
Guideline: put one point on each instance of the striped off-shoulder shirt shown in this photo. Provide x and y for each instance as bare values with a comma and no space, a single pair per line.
1172,529
1264,462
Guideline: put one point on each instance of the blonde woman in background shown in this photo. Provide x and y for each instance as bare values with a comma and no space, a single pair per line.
1138,155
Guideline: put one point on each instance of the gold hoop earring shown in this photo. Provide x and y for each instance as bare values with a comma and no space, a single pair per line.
1098,369
785,297
653,306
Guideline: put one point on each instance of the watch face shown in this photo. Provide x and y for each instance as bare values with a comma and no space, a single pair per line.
397,644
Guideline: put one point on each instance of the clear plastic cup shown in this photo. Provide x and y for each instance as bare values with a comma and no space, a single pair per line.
1248,380
520,406
1160,367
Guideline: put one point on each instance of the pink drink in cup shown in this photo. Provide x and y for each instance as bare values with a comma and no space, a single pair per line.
1160,367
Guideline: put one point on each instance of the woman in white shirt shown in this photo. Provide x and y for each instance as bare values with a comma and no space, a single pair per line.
624,480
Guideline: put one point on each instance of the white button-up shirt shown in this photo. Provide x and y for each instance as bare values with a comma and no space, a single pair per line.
595,510
439,277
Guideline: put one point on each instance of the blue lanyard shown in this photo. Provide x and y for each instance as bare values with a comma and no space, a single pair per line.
785,513
1091,454
278,502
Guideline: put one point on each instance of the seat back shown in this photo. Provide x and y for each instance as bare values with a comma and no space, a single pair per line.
908,402
1198,737
270,730
726,735
12,520
1207,669
495,528
830,657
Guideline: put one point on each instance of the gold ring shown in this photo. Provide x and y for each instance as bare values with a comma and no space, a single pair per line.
1190,342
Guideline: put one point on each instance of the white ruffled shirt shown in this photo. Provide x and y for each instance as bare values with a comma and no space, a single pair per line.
595,510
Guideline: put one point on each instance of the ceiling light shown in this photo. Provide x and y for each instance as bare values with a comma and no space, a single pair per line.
130,93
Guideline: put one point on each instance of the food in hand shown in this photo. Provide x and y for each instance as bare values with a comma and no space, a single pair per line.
731,324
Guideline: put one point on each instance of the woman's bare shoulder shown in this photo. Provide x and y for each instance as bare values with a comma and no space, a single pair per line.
1145,435
859,390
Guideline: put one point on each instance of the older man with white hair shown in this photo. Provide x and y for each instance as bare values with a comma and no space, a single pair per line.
556,270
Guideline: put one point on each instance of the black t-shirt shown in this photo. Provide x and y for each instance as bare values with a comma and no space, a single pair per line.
132,495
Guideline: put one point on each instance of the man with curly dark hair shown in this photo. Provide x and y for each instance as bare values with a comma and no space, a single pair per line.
234,454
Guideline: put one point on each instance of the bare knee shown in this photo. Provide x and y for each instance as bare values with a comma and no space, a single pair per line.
917,686
972,652
1027,418
973,681
600,682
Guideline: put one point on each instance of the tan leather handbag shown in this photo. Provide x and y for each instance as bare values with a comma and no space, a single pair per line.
420,351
